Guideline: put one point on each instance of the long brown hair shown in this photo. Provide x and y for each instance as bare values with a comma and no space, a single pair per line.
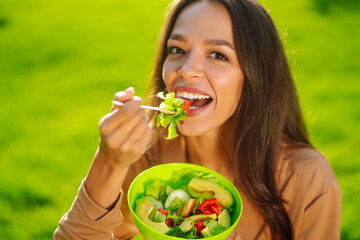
268,112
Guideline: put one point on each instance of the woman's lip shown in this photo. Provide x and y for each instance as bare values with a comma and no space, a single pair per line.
190,89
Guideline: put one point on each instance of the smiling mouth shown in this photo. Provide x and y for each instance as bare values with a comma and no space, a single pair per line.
196,100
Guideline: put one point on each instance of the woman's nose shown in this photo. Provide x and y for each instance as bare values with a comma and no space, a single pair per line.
192,67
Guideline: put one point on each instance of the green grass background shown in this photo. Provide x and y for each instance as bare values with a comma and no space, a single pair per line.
62,61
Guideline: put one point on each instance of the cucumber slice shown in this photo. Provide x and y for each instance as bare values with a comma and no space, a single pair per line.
177,193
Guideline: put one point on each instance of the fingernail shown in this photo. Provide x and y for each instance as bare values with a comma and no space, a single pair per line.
136,98
130,89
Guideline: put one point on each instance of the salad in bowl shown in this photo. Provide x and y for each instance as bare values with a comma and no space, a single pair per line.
182,200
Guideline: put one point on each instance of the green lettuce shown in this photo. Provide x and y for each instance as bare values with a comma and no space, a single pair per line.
183,176
173,104
156,189
177,232
175,205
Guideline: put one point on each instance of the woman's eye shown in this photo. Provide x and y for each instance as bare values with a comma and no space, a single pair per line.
175,50
219,56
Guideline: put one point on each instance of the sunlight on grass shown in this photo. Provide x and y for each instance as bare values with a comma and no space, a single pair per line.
62,62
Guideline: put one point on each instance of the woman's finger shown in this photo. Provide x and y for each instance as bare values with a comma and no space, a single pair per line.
118,135
144,141
114,119
126,95
123,96
138,132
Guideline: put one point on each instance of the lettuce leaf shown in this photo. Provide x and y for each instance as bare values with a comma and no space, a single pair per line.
176,232
172,104
155,189
175,205
182,177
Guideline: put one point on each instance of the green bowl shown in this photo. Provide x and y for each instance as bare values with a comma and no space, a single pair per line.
164,171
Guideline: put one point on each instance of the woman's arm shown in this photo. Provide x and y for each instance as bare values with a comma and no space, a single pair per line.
125,135
313,194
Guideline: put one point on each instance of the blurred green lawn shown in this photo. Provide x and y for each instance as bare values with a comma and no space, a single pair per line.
62,61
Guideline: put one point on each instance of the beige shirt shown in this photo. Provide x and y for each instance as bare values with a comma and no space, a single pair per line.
304,178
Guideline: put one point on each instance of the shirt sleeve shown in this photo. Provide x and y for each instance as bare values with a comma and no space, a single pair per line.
88,220
321,218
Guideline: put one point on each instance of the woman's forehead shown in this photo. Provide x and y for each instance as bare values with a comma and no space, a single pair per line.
205,19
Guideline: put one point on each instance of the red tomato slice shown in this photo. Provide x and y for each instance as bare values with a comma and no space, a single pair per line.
216,208
210,206
208,211
207,204
163,211
199,226
186,106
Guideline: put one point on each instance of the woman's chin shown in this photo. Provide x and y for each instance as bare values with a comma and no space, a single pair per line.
188,129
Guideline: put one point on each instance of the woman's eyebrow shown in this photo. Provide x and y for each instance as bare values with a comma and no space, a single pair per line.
213,42
219,42
177,37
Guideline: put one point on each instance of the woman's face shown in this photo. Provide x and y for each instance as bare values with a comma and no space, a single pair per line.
202,66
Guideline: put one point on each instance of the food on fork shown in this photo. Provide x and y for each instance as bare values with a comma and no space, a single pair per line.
179,106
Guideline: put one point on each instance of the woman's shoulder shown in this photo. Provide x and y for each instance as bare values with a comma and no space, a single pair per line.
306,159
311,191
304,170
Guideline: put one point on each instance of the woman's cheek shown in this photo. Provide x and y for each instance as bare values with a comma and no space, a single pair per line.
168,74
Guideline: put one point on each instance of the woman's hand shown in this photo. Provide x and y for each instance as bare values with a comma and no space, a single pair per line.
124,132
124,136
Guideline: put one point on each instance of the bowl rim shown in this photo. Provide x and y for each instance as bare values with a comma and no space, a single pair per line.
196,167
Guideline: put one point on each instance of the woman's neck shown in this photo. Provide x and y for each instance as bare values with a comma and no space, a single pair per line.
203,151
211,151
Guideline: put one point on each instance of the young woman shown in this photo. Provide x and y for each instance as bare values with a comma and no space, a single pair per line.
247,126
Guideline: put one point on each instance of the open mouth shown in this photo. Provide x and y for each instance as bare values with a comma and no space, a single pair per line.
196,100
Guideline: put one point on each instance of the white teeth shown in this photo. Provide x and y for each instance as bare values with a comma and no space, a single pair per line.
191,95
191,108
